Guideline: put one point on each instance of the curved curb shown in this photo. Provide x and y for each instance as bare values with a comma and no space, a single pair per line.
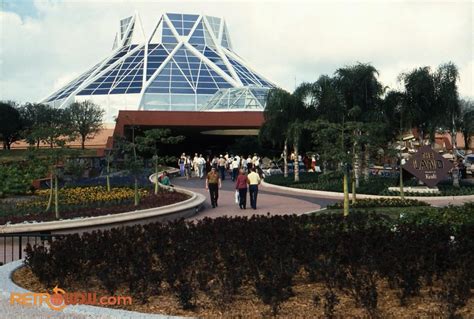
336,195
185,208
7,286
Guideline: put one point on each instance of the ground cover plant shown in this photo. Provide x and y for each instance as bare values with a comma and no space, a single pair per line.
381,202
374,185
363,264
84,202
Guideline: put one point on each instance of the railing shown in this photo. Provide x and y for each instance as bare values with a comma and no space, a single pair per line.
12,246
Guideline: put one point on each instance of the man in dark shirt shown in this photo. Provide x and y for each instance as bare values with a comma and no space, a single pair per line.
213,183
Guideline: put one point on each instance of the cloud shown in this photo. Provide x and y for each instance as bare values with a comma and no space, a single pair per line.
283,40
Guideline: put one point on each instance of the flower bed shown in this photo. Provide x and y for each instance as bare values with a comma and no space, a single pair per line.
317,265
85,202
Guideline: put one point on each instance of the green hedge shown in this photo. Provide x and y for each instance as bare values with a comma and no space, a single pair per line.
216,257
374,185
381,202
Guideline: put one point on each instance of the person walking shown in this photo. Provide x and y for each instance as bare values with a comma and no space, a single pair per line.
249,163
244,164
195,164
208,164
214,162
181,162
241,186
222,162
213,183
187,166
235,168
253,179
201,162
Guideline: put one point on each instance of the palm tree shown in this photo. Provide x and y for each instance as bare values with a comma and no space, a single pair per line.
420,100
465,122
361,94
274,129
284,116
447,97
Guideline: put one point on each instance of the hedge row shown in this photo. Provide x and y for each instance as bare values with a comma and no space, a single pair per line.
381,202
374,185
219,256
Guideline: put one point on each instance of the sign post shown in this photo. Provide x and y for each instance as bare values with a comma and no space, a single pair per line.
428,166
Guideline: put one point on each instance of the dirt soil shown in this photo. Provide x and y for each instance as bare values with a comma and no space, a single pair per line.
247,305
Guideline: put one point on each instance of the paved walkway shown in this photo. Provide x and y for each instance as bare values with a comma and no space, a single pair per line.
269,201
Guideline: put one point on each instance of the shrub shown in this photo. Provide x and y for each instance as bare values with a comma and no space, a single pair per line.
380,202
374,185
218,256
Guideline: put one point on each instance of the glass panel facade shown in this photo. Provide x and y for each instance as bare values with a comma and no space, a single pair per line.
126,77
123,26
238,99
188,80
215,24
183,23
72,86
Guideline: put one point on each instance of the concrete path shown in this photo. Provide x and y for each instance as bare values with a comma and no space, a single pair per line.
272,201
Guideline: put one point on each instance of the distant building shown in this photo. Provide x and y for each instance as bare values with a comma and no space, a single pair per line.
187,63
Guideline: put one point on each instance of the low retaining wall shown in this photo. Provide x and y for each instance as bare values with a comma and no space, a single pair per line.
434,200
183,209
7,286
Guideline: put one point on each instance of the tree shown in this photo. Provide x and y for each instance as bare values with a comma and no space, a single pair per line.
447,97
85,119
465,122
361,95
392,112
420,101
10,124
335,142
274,128
151,141
43,123
284,116
31,115
361,91
127,150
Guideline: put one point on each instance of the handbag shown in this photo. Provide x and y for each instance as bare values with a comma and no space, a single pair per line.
237,197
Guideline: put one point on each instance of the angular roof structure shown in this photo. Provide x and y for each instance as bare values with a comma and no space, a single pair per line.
182,65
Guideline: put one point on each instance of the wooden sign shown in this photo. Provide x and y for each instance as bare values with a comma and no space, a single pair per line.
428,166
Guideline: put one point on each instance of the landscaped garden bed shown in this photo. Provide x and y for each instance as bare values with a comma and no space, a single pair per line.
381,202
84,202
314,266
375,185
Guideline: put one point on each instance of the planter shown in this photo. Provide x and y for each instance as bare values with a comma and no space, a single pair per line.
183,209
434,200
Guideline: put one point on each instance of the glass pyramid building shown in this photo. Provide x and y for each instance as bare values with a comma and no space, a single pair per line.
187,63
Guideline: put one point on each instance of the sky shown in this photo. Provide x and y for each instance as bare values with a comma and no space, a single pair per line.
46,43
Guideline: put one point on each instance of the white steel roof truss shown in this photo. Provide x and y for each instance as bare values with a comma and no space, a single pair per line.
239,59
97,75
211,64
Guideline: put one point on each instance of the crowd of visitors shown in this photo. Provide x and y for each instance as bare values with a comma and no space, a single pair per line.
245,171
225,165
